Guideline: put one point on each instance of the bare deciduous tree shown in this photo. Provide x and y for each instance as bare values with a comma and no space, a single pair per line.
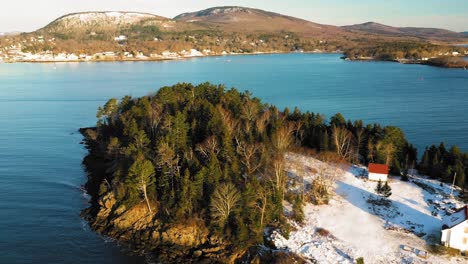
227,119
342,139
224,199
210,145
322,183
262,203
167,157
371,154
388,149
282,139
154,117
262,121
250,110
250,156
279,174
359,139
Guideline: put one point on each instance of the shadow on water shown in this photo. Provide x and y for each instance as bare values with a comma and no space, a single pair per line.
396,214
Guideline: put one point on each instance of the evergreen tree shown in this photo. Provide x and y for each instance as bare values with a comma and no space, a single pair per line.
378,189
386,190
140,176
298,212
324,142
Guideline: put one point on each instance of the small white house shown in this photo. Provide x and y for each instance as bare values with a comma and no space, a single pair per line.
378,172
120,38
455,230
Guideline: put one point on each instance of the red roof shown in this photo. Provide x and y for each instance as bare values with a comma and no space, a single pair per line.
378,168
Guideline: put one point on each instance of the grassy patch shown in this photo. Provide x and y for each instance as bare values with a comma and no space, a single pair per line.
441,250
324,232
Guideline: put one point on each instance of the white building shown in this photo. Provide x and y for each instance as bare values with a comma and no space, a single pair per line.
455,230
120,38
378,172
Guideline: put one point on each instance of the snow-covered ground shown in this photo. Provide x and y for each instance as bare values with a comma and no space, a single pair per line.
360,226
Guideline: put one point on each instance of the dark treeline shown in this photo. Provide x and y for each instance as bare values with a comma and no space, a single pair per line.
442,163
399,50
217,155
449,62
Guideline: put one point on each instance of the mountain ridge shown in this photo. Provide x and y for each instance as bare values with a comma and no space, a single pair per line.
237,18
421,32
246,19
217,31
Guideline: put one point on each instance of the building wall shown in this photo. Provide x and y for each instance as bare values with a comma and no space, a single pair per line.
444,237
458,236
377,176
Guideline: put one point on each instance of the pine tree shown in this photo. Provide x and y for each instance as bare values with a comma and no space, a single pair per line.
140,176
298,212
324,146
386,190
378,189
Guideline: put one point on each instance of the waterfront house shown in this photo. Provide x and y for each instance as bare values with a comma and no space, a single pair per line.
378,172
455,230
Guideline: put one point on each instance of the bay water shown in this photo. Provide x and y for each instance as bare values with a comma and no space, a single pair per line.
43,105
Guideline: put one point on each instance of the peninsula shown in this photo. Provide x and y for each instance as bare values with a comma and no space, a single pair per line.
205,173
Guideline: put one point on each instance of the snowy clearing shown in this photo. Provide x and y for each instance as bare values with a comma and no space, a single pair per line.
356,223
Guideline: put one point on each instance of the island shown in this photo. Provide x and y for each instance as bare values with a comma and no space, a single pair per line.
205,173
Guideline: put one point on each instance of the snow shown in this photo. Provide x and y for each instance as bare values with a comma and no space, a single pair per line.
120,17
361,226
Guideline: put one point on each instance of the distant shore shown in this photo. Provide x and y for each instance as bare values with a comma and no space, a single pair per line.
160,58
181,58
409,61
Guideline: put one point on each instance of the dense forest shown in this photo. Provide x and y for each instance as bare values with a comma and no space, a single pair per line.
447,165
448,62
217,155
400,50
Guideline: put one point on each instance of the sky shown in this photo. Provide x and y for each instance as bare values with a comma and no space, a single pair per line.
29,15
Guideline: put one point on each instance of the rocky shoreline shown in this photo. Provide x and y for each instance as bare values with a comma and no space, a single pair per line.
145,235
136,229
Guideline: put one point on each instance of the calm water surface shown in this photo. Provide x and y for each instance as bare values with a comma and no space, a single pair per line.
42,106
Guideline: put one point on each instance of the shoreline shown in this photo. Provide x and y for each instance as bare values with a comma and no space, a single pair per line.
183,58
149,59
409,62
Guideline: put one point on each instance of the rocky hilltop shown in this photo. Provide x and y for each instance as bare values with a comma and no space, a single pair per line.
111,17
99,24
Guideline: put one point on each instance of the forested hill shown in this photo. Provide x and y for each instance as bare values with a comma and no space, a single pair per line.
197,167
216,31
424,33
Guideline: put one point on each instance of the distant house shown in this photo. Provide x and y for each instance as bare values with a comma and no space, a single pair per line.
455,230
120,38
378,172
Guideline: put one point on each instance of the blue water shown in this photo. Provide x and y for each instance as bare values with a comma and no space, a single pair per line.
42,106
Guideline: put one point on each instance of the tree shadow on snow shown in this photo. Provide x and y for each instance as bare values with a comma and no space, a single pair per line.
398,216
